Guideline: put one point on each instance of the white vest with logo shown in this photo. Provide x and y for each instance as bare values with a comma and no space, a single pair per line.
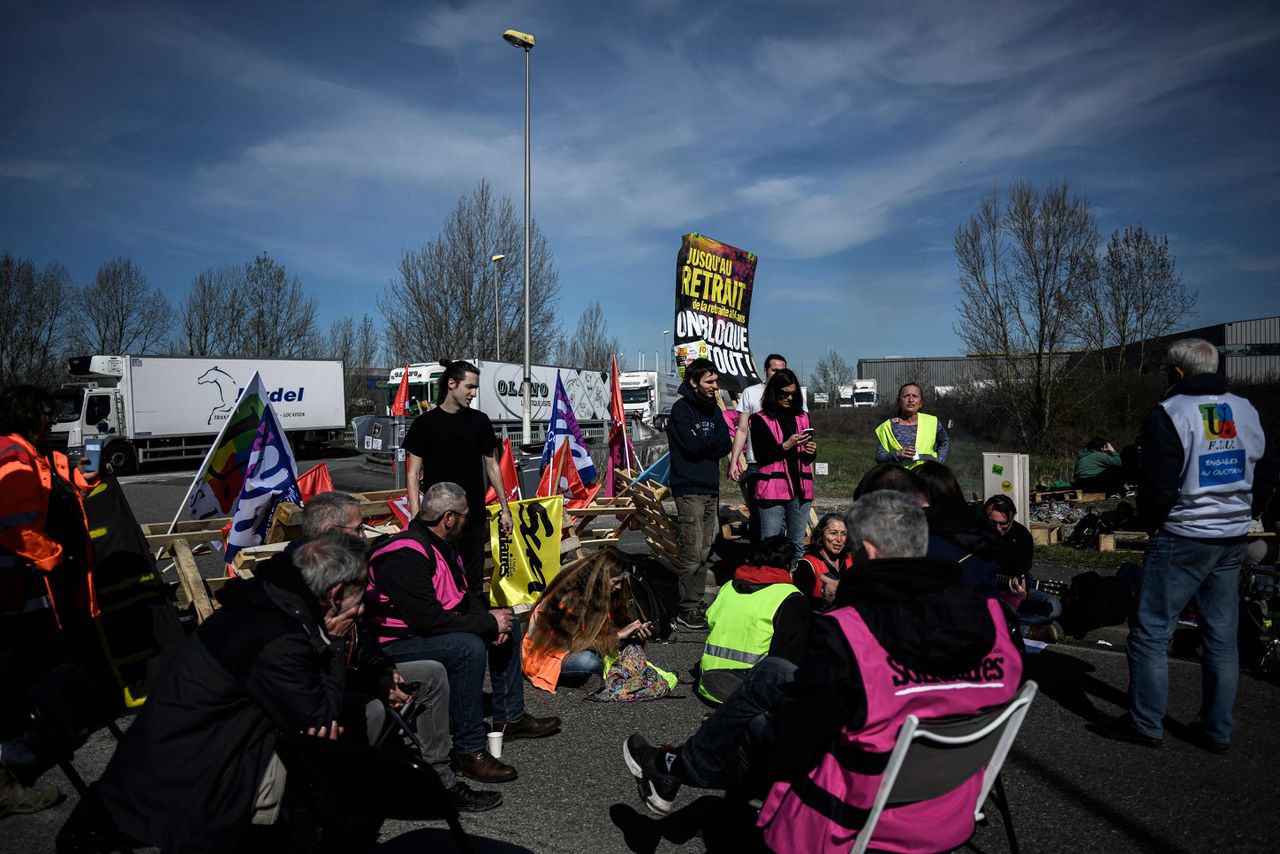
1222,441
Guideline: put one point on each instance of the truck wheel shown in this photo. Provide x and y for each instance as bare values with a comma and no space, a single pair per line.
122,458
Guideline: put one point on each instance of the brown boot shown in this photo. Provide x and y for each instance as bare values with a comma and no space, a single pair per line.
16,798
483,767
527,726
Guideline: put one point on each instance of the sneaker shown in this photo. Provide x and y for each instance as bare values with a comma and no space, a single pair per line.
692,620
17,799
527,726
1201,739
466,799
658,787
1118,728
482,766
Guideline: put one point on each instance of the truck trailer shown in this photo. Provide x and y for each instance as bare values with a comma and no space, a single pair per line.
157,408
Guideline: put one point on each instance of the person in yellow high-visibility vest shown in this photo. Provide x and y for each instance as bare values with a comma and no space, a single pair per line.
912,436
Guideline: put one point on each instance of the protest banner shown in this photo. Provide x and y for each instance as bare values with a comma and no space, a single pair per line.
525,562
713,305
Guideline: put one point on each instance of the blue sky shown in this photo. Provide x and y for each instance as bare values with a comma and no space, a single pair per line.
843,143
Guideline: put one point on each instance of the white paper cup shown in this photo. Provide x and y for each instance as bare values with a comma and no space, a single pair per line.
495,745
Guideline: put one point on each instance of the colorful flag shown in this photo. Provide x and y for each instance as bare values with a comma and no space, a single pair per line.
398,407
563,430
510,478
220,478
527,561
270,478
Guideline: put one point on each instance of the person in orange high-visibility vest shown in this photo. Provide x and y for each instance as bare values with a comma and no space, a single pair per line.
46,576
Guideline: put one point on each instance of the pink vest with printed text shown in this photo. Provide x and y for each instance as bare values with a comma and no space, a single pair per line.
382,613
774,484
824,811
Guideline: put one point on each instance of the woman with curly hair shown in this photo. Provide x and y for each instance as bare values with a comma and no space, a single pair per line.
580,621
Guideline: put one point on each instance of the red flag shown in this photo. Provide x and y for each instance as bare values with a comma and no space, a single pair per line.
617,412
510,479
400,509
567,479
402,394
314,482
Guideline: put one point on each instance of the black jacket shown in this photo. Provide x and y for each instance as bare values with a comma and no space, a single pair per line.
959,533
186,774
405,577
1161,459
919,609
698,437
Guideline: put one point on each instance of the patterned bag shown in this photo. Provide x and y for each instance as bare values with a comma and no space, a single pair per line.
631,678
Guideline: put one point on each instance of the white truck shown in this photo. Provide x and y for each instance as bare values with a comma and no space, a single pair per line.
648,395
156,408
844,396
501,395
865,393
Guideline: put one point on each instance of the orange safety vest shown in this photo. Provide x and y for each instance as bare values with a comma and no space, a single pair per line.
28,556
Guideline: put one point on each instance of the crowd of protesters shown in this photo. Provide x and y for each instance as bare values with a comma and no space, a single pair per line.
807,652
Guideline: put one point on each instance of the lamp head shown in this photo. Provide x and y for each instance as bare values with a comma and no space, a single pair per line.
518,39
496,258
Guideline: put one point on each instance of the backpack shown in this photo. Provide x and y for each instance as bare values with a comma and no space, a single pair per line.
655,594
1094,601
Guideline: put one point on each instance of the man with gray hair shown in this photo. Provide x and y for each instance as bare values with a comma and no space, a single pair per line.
422,606
1206,470
375,679
905,635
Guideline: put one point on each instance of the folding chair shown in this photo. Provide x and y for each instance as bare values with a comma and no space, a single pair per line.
933,757
65,708
342,792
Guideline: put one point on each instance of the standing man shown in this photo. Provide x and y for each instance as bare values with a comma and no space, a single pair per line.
1205,472
742,467
453,443
698,437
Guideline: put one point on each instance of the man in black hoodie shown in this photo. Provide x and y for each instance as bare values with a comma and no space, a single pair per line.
698,437
784,717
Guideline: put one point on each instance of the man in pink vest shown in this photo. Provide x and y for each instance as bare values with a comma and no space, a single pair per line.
421,607
905,635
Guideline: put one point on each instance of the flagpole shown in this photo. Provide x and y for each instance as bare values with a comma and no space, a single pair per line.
216,442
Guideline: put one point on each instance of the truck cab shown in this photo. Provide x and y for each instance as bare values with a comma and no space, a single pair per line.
91,407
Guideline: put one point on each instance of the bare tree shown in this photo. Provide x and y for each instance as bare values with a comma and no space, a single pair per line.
357,344
121,312
252,311
590,347
1023,272
34,327
831,372
442,303
1139,297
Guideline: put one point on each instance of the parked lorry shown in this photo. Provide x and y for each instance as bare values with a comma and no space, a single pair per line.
501,395
648,395
156,408
865,393
844,396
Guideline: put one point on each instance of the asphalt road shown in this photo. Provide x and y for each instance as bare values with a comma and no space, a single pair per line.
1070,790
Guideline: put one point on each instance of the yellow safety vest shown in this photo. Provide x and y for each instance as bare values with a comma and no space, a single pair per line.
926,437
741,628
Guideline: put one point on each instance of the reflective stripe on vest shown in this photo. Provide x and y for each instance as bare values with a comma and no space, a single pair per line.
383,611
926,437
741,628
824,811
773,480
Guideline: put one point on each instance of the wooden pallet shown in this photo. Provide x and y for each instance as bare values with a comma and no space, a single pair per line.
1137,540
1046,535
1074,496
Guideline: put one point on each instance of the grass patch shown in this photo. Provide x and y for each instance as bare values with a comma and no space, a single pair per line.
1086,558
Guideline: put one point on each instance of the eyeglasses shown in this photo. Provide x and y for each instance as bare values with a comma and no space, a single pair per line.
787,394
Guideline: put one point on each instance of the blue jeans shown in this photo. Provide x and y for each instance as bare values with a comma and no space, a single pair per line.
718,754
1039,609
463,656
1175,571
578,667
788,517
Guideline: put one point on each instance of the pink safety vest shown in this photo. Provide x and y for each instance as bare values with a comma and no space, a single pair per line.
774,484
824,811
383,612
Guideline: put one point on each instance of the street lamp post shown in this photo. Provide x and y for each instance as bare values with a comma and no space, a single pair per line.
665,333
497,309
524,41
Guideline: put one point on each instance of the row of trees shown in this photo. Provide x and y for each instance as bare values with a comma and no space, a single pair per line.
448,299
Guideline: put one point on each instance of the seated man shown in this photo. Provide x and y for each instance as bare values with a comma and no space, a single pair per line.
421,607
906,635
756,614
197,766
1036,609
375,679
1099,468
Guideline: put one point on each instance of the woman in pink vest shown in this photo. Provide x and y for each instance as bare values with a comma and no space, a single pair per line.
785,450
